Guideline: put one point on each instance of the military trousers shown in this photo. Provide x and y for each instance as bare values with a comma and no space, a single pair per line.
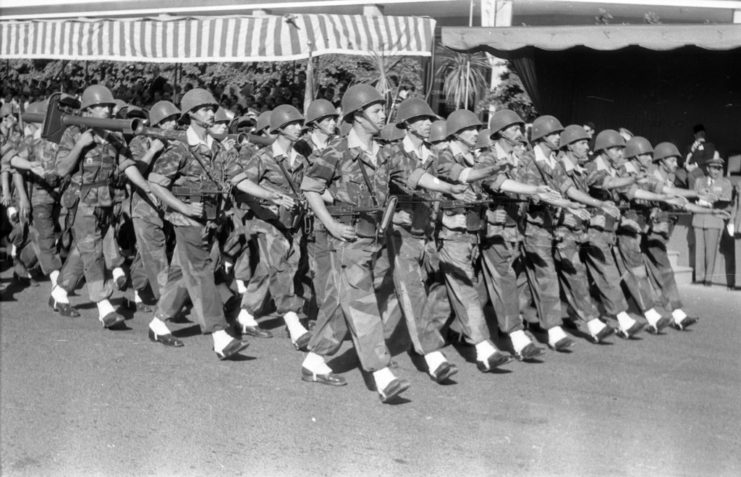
632,267
43,236
603,270
192,270
275,270
458,254
660,271
499,265
542,277
573,279
350,304
422,299
86,258
152,254
707,243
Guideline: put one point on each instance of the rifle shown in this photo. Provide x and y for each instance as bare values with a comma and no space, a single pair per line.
355,212
211,198
298,215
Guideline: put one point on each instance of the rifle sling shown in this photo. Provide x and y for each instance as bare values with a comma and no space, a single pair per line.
296,197
367,182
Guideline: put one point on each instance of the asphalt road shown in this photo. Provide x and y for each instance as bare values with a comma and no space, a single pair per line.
78,400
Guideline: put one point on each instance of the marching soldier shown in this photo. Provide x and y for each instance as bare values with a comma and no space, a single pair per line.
187,179
460,235
36,157
355,169
149,224
628,254
321,121
572,233
273,176
502,262
542,168
660,270
421,291
93,160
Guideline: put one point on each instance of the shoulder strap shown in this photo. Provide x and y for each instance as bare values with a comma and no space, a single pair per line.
203,166
367,182
288,179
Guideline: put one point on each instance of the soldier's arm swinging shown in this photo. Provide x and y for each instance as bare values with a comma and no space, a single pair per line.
24,205
255,190
583,198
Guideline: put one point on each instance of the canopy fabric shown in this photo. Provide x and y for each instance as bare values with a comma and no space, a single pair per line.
222,39
504,41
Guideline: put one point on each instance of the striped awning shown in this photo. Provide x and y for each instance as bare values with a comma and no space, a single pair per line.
222,39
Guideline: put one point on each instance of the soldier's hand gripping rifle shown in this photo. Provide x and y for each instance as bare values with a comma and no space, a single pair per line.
387,210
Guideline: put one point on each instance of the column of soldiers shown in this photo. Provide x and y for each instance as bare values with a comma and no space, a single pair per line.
404,237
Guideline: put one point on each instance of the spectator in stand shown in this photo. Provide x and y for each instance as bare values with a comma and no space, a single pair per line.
708,227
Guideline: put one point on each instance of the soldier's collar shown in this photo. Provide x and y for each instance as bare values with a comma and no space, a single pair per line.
570,165
194,140
542,154
354,142
423,152
457,150
278,151
631,168
320,143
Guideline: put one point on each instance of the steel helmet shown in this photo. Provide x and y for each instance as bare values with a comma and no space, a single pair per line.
95,95
461,119
359,97
637,146
571,134
665,150
222,116
263,122
391,133
484,139
197,98
545,125
438,131
37,107
161,111
607,139
135,112
318,110
503,119
283,115
413,108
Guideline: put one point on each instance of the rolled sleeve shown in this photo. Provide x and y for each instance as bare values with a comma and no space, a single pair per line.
159,179
311,184
414,177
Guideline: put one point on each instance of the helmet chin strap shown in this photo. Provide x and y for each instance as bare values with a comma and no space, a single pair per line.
200,123
322,129
467,143
376,129
291,137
